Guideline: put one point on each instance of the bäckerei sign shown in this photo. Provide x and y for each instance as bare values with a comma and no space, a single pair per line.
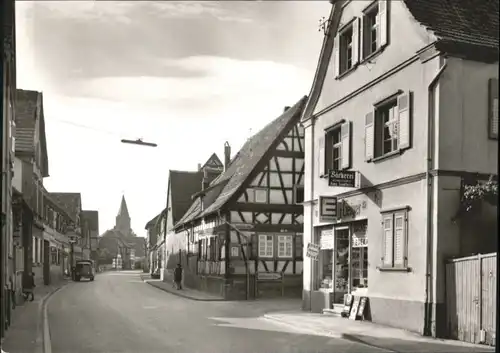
342,178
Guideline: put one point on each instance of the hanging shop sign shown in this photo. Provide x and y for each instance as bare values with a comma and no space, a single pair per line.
327,208
342,178
312,251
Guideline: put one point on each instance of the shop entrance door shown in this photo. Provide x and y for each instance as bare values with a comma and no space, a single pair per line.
341,268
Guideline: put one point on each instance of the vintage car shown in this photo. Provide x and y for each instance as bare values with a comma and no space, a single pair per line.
84,269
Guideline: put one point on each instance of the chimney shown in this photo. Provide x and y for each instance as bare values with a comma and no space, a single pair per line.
205,183
286,108
227,155
199,166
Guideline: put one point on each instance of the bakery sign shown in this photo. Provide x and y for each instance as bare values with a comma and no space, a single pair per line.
342,178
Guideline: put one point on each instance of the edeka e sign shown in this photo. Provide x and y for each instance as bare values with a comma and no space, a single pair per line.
342,178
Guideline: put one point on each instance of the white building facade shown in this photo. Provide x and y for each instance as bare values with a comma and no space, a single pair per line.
407,116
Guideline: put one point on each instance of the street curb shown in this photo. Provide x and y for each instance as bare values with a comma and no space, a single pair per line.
43,334
182,295
353,338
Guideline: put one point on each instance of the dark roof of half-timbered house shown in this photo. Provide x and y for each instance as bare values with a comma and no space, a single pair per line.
56,205
255,148
29,107
71,201
183,184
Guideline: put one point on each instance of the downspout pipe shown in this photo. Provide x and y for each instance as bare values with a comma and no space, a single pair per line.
429,312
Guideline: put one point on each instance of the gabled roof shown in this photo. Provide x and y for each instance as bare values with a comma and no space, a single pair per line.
71,201
92,217
152,222
460,26
123,211
242,165
213,162
183,184
29,107
56,205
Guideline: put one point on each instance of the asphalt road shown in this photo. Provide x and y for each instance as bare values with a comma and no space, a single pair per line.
118,312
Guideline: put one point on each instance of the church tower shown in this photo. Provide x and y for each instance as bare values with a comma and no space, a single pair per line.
123,219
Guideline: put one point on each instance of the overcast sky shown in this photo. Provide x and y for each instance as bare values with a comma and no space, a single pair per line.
186,75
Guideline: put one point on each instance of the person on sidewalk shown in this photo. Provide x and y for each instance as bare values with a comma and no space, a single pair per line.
178,276
30,288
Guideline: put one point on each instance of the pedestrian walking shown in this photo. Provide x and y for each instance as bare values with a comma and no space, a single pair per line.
178,276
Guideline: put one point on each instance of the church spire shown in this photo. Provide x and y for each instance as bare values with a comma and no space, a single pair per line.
123,219
123,211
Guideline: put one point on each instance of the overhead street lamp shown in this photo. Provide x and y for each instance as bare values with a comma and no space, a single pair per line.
139,142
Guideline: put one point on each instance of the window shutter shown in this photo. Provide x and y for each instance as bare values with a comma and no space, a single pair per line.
336,55
355,41
361,37
493,108
404,120
369,136
387,241
345,133
321,156
383,22
399,240
254,245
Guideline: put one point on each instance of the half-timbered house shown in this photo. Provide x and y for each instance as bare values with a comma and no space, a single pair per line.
243,232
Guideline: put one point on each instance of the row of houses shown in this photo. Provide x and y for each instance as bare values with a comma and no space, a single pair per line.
42,232
387,170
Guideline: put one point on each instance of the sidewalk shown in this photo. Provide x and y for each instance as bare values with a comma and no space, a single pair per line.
26,331
184,292
369,333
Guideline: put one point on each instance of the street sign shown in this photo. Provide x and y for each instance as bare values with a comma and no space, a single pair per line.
312,251
342,178
327,208
269,276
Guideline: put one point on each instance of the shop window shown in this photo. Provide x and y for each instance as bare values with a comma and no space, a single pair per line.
266,245
394,240
326,260
341,260
359,253
285,246
326,269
